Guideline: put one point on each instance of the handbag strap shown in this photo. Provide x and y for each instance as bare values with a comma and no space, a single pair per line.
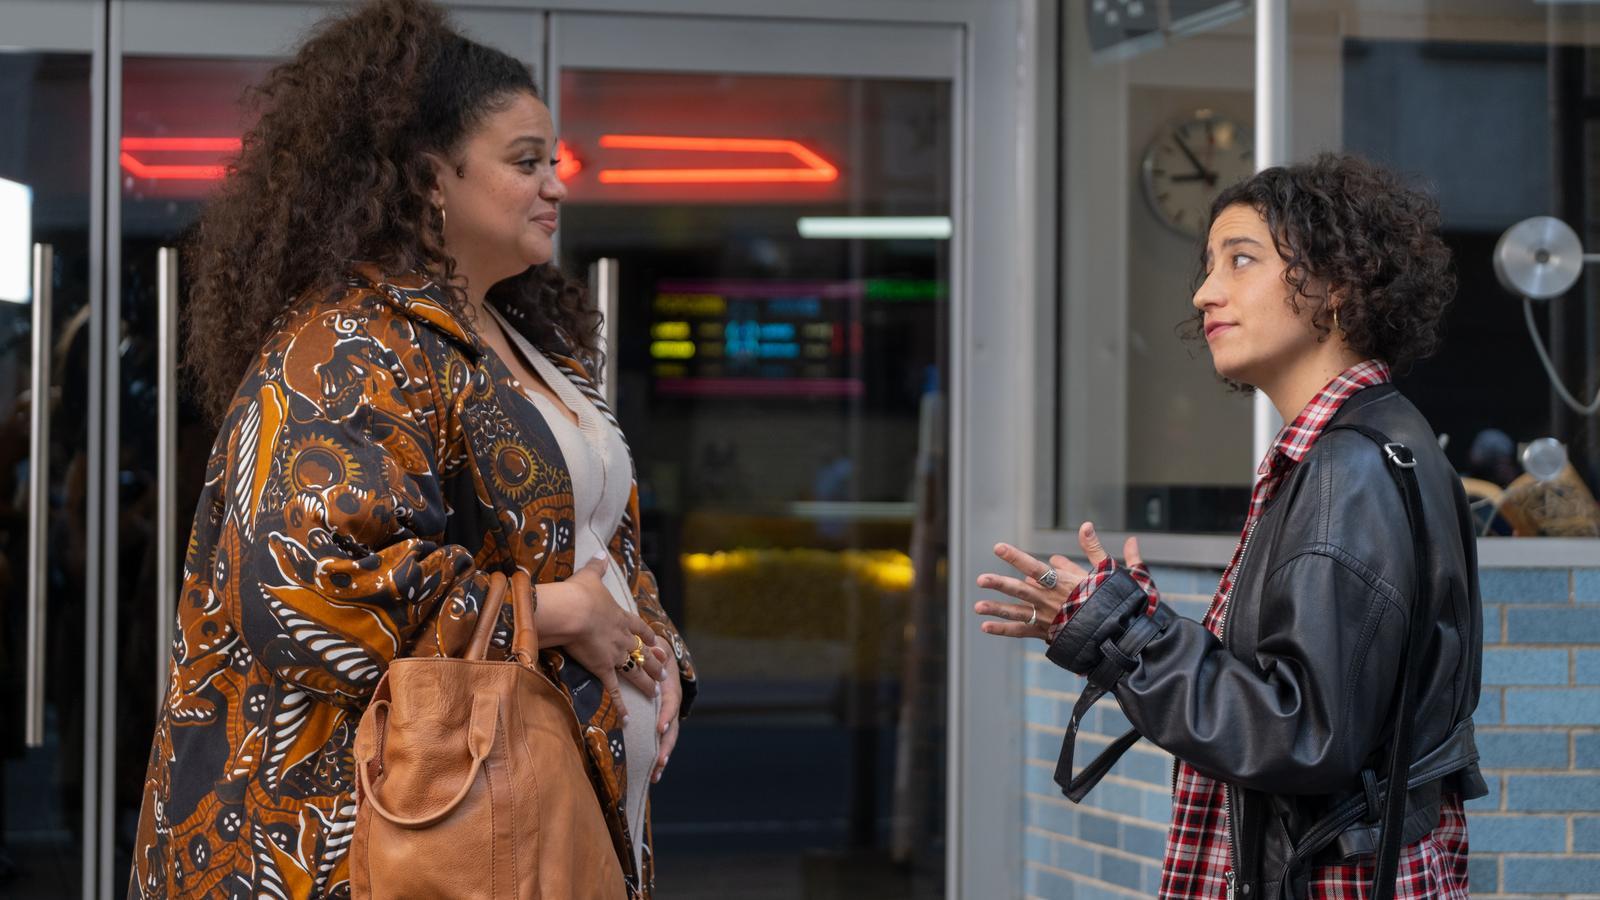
525,637
1401,467
525,630
480,741
488,616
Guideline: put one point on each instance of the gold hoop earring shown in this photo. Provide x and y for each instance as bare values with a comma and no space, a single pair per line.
1335,318
442,219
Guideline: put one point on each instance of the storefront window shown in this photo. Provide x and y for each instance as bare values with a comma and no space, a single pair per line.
1158,119
1490,105
778,336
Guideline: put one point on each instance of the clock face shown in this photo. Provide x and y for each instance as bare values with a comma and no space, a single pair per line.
1189,163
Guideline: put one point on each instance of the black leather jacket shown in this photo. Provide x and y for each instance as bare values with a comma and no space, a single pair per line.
1292,703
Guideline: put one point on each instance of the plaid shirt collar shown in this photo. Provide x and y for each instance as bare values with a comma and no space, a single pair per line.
1297,437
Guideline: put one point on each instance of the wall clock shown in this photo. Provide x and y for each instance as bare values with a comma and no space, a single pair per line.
1189,162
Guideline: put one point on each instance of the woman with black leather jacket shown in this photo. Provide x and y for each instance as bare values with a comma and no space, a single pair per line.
1344,641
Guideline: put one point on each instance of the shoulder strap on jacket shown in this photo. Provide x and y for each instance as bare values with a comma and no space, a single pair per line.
1401,466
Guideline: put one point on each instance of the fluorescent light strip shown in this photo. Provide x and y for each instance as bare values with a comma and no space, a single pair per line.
16,242
935,228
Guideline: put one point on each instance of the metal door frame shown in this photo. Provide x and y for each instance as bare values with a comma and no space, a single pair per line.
995,209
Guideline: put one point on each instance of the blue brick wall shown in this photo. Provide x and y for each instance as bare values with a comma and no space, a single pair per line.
1536,833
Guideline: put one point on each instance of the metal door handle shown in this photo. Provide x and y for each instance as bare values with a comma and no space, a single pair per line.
166,461
603,277
38,492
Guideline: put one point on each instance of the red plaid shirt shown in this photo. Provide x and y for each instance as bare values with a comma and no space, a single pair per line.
1198,855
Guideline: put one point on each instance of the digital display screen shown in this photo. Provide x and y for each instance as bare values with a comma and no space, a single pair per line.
728,337
756,338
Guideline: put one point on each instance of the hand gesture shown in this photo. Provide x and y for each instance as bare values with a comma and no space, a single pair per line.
1043,588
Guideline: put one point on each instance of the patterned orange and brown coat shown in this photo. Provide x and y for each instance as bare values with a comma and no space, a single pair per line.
377,463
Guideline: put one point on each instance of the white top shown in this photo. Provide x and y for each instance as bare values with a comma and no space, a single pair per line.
602,481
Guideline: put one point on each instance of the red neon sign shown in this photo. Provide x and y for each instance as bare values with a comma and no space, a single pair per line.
813,168
175,172
570,165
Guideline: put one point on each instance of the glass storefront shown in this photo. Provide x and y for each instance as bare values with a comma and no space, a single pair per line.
45,539
181,121
783,395
1489,105
771,237
1157,122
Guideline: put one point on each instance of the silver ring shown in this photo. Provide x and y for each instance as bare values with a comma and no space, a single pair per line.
1033,618
1048,580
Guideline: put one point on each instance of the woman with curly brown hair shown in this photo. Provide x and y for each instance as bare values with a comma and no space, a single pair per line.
402,379
1344,641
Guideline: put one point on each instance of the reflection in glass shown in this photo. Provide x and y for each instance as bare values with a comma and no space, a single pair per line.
46,157
1421,90
1158,120
784,399
181,122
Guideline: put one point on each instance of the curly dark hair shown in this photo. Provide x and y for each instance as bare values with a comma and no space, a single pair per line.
1349,227
334,171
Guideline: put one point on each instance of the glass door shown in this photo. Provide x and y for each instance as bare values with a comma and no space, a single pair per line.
764,212
48,100
184,69
179,119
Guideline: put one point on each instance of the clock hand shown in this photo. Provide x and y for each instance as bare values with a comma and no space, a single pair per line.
1200,170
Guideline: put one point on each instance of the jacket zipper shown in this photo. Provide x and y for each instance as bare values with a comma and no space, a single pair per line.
1227,790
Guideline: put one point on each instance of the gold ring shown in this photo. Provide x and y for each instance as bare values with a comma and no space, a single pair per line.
637,655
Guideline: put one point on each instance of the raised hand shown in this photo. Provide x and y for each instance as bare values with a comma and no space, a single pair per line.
1042,589
1040,592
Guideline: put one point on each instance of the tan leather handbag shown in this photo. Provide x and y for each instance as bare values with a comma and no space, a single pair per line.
472,782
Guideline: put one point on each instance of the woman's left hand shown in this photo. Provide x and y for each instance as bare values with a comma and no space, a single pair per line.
667,721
